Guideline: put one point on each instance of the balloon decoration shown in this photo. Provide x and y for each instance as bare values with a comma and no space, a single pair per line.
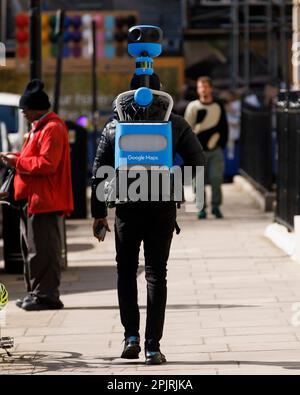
22,35
111,35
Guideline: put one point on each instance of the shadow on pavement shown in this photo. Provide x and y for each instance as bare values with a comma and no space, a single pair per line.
79,279
76,279
54,361
75,247
169,307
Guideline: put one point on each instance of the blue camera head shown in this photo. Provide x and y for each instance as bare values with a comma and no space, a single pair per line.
144,43
145,40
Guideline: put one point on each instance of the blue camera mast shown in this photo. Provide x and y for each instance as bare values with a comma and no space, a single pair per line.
147,143
144,44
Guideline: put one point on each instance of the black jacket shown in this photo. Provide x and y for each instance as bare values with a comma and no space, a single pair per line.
185,143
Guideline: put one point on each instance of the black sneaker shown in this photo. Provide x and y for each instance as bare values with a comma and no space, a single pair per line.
34,303
154,358
20,301
202,214
217,212
131,348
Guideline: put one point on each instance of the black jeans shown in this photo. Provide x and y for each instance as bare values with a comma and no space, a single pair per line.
152,223
41,249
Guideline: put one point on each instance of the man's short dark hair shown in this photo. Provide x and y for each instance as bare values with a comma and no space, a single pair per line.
205,80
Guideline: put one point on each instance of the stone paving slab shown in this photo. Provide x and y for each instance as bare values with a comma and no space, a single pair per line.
230,304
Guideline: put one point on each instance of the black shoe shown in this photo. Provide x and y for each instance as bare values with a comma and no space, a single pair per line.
131,348
34,303
216,212
20,301
154,358
202,214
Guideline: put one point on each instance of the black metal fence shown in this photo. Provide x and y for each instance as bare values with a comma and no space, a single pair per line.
288,177
256,145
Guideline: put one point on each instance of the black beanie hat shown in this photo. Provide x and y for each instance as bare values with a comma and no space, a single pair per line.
154,82
34,98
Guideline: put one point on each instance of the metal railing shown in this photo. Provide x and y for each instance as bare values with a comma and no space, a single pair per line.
256,145
288,138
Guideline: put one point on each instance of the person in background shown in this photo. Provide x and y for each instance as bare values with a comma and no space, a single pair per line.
233,110
207,118
43,187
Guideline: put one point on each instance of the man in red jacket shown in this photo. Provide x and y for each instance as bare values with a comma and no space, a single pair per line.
43,184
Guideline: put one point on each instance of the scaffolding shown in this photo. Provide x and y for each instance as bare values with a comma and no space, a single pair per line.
240,21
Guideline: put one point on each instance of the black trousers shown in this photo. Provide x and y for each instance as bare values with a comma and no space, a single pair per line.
41,249
152,223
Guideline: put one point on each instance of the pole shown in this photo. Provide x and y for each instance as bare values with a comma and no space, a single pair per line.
283,44
59,31
296,86
3,20
94,77
235,44
296,44
285,124
246,45
270,46
183,14
60,18
35,40
94,84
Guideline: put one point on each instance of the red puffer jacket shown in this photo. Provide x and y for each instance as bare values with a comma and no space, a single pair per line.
43,175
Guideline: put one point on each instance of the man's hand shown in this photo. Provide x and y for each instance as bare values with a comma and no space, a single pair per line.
8,159
100,221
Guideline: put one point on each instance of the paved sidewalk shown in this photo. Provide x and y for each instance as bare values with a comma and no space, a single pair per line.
230,298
